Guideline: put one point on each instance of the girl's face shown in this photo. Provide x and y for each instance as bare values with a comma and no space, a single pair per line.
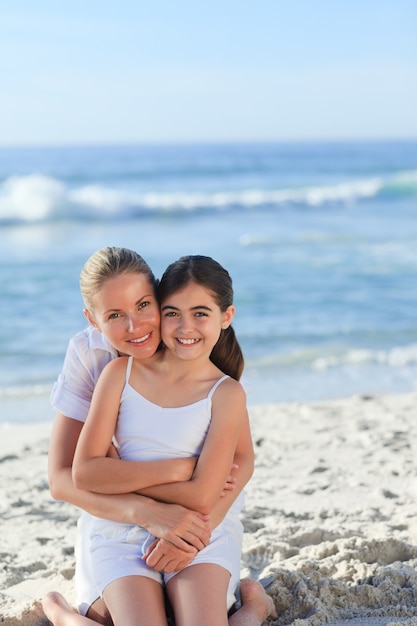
191,321
127,313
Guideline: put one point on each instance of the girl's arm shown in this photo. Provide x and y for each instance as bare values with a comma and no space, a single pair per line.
202,492
159,556
92,470
244,458
182,527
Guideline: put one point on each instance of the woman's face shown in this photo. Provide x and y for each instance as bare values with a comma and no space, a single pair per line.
127,313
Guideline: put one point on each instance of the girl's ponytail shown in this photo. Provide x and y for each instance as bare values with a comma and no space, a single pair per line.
227,354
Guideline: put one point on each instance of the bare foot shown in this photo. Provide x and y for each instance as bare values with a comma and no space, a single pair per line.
253,595
56,608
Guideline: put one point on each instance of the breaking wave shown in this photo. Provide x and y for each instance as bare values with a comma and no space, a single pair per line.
37,198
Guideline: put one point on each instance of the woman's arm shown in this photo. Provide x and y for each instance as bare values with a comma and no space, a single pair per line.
92,470
202,492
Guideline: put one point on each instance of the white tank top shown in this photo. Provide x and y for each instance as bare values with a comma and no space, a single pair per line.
146,431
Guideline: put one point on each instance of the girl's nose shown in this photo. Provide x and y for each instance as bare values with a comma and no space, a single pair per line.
186,324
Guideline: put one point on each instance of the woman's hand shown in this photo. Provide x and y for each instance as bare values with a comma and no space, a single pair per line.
163,556
188,530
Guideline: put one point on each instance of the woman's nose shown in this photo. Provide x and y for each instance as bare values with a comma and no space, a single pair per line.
132,322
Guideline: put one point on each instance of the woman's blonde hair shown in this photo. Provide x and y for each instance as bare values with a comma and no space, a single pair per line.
108,263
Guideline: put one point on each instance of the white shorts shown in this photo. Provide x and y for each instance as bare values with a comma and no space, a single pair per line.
117,549
92,548
85,586
224,549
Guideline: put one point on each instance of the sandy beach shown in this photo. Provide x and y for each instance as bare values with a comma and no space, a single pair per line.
330,518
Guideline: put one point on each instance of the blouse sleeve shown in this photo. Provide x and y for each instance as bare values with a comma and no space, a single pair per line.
73,390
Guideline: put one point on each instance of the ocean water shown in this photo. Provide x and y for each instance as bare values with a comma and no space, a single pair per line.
320,239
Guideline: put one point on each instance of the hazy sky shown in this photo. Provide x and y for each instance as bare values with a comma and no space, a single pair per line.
89,71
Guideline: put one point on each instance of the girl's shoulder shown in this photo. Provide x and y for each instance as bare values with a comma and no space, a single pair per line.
116,366
113,376
230,386
223,381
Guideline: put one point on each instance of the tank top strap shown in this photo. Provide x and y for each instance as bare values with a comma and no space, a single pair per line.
216,384
128,369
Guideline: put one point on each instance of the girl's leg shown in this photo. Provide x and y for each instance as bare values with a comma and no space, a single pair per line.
257,605
136,601
198,595
60,613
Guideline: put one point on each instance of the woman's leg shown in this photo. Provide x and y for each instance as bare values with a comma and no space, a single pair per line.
99,613
257,605
60,613
136,601
198,595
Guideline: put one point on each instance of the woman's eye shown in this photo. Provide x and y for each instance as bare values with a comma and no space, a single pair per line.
114,316
144,304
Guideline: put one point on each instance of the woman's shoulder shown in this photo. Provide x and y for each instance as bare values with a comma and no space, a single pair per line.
89,340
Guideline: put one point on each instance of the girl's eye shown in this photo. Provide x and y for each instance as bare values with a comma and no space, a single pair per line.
170,314
201,314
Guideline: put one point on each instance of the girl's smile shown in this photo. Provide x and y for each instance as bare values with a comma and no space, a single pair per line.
187,342
192,318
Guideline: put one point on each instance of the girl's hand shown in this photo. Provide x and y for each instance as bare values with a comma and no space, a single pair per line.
230,482
163,556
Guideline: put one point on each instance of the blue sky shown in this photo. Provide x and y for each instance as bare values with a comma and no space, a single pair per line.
94,71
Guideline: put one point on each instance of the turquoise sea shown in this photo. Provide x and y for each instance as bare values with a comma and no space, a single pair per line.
320,239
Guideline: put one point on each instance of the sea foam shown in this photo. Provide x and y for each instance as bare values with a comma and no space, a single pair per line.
38,198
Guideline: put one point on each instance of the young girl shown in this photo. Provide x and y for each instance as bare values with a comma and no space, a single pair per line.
184,401
119,279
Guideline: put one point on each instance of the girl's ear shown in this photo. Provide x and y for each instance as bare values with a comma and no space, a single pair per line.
228,316
90,318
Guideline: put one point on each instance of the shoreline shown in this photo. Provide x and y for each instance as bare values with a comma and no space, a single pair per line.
329,518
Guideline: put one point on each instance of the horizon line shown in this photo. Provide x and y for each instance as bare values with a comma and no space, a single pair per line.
199,142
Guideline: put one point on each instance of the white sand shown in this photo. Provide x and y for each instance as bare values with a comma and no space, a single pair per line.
330,518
